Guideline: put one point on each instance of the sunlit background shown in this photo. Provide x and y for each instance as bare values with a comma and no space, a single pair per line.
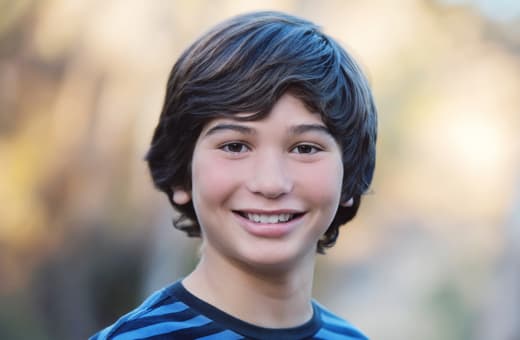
84,237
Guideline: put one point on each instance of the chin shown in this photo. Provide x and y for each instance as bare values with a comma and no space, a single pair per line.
281,258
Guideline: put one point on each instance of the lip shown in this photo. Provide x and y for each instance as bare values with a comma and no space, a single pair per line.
268,230
269,212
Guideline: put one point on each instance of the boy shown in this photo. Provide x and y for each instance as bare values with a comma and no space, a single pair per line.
265,144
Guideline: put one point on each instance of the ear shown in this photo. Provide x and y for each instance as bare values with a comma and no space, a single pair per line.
348,203
181,196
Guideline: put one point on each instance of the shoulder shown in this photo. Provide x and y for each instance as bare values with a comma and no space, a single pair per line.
150,317
335,327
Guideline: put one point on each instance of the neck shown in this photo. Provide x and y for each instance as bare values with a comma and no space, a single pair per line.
275,299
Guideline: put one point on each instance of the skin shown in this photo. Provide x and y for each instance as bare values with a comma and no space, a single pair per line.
288,164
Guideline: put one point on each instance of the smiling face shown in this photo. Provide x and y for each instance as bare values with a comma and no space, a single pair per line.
265,191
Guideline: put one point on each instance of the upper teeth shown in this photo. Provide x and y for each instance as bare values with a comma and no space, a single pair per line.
261,218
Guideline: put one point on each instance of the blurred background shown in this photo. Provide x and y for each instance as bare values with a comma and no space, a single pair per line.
435,250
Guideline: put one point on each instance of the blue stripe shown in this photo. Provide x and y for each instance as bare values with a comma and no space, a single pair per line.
225,335
101,335
328,335
334,321
134,314
167,309
162,328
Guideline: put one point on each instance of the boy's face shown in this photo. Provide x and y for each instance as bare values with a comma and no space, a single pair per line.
265,191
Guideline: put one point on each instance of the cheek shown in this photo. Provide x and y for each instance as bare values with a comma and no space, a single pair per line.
322,183
212,180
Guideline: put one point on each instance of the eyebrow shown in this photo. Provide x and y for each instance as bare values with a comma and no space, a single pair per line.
293,130
303,128
234,127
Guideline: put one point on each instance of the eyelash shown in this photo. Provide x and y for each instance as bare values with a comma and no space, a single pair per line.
313,148
243,147
226,147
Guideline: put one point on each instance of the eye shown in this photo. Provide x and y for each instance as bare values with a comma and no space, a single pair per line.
306,149
235,147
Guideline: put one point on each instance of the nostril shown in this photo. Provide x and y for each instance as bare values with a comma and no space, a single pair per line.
271,188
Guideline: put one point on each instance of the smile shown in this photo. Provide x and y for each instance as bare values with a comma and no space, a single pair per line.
269,218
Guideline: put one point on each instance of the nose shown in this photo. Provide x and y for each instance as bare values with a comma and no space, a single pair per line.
270,177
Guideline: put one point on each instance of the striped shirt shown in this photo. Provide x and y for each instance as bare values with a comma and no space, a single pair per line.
175,313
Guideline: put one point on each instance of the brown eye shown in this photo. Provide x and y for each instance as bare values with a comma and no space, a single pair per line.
306,149
235,147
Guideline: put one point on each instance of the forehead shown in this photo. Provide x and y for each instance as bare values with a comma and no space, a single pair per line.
287,111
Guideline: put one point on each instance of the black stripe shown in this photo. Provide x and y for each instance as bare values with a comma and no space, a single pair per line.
248,330
151,320
189,333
